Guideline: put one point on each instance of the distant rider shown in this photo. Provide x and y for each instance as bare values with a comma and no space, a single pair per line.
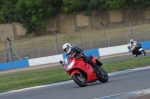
133,45
76,51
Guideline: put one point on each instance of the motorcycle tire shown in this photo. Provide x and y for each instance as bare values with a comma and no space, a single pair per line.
81,81
135,55
103,75
143,53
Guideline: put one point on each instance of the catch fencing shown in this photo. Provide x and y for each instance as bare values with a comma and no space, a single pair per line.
35,47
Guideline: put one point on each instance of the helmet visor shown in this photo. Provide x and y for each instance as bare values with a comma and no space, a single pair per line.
66,49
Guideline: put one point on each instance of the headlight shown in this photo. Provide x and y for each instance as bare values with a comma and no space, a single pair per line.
70,65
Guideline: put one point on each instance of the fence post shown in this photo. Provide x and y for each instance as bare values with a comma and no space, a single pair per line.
108,42
38,52
127,38
44,47
79,31
56,47
56,50
104,28
130,24
21,53
10,49
146,34
32,43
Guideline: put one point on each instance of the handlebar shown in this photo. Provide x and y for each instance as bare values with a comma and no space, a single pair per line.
98,57
79,56
61,62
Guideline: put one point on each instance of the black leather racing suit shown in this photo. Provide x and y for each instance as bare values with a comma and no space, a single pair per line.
77,51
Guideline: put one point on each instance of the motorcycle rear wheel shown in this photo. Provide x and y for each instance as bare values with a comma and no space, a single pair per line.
80,80
143,52
103,75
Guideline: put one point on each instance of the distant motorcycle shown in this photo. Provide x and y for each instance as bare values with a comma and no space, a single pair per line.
83,73
137,50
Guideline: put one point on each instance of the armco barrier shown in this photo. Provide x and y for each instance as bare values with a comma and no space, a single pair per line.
45,60
113,50
14,65
56,58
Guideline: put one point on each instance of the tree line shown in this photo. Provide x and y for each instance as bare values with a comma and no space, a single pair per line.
33,13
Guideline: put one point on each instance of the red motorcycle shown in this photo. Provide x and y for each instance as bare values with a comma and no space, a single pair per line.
83,73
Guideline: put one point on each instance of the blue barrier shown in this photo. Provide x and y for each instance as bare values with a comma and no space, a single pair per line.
94,52
14,65
145,45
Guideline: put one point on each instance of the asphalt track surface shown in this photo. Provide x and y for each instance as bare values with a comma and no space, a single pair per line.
117,84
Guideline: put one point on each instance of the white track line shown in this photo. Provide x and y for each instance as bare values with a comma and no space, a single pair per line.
127,95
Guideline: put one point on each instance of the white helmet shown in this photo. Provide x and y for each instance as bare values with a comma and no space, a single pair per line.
131,40
67,48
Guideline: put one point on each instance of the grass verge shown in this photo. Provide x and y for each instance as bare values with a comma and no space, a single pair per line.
52,75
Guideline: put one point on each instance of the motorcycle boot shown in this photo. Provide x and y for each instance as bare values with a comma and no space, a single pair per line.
97,69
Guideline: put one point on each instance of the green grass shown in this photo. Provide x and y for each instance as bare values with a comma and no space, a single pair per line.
34,78
53,75
126,64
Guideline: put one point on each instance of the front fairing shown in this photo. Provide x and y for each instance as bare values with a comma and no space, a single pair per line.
140,49
79,64
88,70
70,66
73,63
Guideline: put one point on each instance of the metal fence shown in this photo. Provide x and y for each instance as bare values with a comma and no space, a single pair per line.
31,47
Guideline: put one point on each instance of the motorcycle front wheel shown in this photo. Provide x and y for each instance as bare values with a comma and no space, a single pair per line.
80,80
103,75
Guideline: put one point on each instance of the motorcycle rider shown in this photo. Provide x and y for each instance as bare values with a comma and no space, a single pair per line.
133,45
76,51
